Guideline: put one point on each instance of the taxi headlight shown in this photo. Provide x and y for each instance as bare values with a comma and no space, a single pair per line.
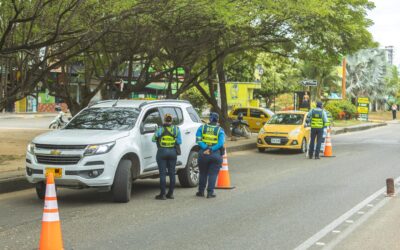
99,148
262,131
31,148
294,133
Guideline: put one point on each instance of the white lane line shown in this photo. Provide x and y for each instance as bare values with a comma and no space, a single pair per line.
358,223
350,221
320,244
370,205
319,235
361,212
336,231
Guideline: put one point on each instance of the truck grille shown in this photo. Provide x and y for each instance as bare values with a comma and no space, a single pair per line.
58,159
49,146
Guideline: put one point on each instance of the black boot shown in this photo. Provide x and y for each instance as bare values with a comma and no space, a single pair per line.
161,197
200,194
211,195
170,196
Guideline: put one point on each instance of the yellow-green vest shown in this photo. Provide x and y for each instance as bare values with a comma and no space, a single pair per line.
210,134
317,120
168,137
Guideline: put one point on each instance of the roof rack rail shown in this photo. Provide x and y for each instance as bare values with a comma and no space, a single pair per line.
99,102
161,101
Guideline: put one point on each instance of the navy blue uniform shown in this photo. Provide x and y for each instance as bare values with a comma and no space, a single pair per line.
209,137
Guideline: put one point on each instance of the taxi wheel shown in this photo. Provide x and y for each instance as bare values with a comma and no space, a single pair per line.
303,146
261,150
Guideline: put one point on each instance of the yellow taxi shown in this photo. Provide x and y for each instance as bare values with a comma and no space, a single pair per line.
256,117
285,130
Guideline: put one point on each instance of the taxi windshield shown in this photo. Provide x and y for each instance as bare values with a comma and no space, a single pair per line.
287,119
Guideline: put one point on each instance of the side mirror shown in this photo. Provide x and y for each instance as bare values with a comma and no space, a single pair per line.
150,128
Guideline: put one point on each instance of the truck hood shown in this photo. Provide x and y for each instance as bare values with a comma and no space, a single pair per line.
79,137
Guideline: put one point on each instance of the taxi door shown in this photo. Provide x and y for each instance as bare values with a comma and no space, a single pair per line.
257,119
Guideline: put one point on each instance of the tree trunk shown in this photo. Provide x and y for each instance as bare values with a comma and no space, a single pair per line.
224,119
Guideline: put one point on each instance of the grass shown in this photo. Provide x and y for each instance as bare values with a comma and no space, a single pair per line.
347,123
381,115
5,158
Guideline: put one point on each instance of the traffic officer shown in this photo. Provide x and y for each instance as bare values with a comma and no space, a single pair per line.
318,119
211,138
167,138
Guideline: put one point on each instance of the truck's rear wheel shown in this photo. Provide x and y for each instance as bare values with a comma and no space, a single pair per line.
189,176
122,186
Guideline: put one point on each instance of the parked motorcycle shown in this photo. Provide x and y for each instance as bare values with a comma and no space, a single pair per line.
59,121
240,127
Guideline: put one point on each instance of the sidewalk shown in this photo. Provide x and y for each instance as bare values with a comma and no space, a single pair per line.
26,115
380,231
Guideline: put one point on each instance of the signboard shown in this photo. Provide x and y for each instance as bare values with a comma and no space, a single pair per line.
363,108
302,100
311,83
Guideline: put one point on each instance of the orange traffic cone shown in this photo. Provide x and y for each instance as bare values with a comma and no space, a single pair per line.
50,237
224,181
328,145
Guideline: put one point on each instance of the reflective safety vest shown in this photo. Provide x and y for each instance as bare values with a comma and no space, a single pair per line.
210,134
329,118
168,137
317,120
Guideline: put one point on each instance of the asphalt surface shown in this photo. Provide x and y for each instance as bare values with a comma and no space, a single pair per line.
280,200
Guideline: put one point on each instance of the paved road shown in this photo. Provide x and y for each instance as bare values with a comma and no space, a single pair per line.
281,199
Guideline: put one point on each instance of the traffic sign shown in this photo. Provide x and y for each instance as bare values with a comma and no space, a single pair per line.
311,83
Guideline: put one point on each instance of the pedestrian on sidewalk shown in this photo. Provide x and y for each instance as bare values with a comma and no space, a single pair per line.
317,118
211,138
394,110
168,139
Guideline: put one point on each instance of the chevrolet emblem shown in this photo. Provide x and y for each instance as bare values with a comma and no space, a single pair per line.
55,152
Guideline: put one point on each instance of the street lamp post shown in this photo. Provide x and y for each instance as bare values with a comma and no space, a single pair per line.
274,90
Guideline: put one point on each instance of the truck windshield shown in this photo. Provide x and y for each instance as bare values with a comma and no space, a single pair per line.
287,119
105,119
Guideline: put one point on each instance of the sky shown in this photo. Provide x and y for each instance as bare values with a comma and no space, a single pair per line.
386,28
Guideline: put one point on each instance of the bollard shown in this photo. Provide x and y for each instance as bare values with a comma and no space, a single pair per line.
389,187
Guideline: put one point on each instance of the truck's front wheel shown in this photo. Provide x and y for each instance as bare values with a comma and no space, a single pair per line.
189,176
41,190
122,186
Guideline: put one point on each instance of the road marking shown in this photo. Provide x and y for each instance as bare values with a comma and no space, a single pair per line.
330,227
320,244
361,212
336,231
370,205
350,221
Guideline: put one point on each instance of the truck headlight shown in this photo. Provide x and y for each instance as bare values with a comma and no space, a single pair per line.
31,148
99,148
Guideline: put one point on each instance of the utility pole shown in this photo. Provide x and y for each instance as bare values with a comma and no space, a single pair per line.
344,78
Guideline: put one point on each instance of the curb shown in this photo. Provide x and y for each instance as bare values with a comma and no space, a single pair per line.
357,128
243,147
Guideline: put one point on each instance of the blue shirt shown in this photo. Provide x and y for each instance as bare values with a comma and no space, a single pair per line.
221,139
159,133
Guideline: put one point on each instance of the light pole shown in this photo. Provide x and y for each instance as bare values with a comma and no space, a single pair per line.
274,89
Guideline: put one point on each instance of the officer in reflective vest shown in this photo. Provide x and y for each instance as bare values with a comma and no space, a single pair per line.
318,119
211,138
167,137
